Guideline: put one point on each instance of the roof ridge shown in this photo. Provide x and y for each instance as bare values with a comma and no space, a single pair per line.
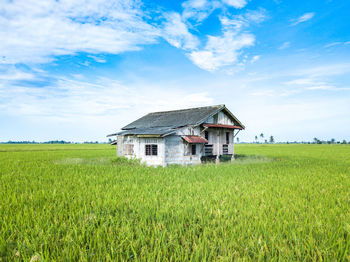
192,108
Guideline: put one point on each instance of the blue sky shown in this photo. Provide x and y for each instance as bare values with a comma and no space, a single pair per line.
79,70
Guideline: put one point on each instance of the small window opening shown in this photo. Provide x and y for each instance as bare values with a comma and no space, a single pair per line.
151,150
194,149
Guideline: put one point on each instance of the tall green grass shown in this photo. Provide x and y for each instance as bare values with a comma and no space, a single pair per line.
80,202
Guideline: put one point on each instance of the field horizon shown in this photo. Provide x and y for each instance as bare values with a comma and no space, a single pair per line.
81,202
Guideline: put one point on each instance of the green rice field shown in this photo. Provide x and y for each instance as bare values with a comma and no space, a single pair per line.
82,203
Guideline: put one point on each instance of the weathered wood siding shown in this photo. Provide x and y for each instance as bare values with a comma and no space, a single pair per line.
178,152
220,118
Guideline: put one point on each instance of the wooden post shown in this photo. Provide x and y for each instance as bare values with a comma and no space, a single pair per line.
233,157
217,160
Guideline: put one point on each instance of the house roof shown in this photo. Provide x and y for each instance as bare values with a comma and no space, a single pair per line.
179,118
162,123
195,139
146,131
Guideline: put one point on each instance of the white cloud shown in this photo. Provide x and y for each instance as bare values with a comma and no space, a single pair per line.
239,22
305,17
310,84
236,3
322,87
36,31
33,32
98,59
71,100
284,45
221,51
177,34
13,74
255,58
198,10
332,44
324,70
302,81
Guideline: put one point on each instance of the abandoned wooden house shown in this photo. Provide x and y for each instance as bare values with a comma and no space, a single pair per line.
183,137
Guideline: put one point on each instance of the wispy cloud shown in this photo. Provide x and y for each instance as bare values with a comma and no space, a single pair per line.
177,34
221,51
236,3
285,45
305,17
35,32
98,59
336,44
11,73
69,99
255,58
198,10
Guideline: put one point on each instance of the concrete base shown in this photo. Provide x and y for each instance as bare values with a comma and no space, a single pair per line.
233,158
217,160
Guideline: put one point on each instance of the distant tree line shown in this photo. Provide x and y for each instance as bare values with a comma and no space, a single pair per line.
52,142
260,139
332,141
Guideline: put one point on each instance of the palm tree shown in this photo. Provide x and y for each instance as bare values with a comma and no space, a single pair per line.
262,136
272,140
237,139
256,139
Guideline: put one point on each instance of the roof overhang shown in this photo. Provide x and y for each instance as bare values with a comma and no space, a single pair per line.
223,126
195,139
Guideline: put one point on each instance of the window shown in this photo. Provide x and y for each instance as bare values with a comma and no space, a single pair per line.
225,149
151,150
227,137
128,149
206,135
208,150
194,149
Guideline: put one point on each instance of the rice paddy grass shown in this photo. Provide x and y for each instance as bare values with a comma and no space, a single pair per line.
82,203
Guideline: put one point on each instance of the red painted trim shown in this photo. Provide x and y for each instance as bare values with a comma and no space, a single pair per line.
195,139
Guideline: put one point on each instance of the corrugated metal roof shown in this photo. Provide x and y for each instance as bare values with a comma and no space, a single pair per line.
195,139
176,118
147,131
162,123
223,126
